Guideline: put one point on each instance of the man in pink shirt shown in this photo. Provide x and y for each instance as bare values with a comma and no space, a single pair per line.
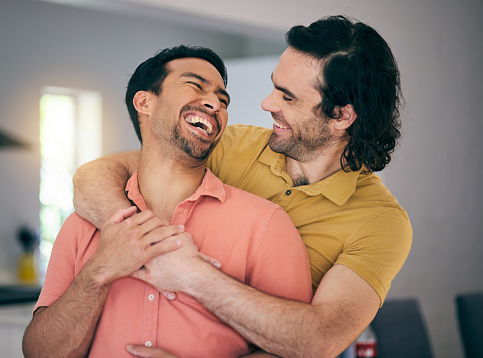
97,299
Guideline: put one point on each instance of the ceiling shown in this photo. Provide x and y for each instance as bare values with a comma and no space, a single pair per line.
265,19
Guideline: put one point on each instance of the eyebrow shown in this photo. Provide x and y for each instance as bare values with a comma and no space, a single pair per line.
205,81
284,90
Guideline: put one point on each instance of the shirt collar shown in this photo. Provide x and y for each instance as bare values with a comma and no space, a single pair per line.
210,186
338,187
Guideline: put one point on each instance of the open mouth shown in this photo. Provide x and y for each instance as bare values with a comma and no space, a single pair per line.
200,123
279,125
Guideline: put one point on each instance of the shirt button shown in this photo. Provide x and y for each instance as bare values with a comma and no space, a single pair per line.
288,192
148,344
151,297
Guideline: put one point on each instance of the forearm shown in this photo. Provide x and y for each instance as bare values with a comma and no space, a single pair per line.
99,186
66,328
282,327
343,305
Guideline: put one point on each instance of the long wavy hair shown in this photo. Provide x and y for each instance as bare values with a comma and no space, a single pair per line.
358,68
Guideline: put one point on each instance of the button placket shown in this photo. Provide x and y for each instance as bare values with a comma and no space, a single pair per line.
151,311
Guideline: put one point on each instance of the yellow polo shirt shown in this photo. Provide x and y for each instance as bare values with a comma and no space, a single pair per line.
348,218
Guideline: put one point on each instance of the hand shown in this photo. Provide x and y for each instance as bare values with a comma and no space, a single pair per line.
259,354
171,271
149,352
129,240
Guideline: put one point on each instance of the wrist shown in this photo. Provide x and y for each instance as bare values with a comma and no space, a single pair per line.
97,275
203,281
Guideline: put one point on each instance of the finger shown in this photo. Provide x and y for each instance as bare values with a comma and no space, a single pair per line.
210,260
155,223
146,352
159,234
122,215
169,295
163,247
142,217
140,274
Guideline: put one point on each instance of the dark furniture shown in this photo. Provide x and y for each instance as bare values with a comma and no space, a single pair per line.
469,313
18,294
401,330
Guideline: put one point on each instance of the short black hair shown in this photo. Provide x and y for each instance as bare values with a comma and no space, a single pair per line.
150,74
358,68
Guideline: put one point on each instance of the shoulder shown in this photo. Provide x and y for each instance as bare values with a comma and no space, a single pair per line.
380,211
239,139
75,221
239,197
242,133
76,229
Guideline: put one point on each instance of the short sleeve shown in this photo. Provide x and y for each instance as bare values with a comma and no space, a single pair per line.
279,264
61,269
379,249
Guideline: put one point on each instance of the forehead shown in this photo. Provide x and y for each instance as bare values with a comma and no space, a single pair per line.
195,65
298,72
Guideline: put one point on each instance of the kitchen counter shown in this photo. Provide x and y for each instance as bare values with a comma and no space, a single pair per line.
14,294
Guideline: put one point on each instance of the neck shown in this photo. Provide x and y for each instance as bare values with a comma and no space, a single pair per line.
321,165
165,182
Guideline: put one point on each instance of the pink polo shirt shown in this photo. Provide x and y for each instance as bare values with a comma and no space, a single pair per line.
253,238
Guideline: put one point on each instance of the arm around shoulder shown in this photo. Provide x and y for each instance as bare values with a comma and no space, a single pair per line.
99,186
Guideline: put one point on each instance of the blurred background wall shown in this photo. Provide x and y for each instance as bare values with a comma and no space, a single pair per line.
95,45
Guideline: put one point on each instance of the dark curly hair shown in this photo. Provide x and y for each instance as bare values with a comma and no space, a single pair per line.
150,74
358,68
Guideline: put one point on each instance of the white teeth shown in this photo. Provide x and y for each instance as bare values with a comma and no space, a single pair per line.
279,125
208,127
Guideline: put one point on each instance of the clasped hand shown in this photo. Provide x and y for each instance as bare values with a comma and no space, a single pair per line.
139,245
128,240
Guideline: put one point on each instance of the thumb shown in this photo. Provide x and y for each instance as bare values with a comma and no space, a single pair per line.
138,351
210,260
149,352
122,215
140,274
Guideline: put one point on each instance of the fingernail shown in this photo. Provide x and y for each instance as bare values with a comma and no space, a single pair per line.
178,243
217,265
171,296
181,227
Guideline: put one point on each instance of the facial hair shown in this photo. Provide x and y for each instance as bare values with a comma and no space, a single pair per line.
192,148
305,145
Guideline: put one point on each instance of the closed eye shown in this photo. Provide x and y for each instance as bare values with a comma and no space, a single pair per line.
196,84
224,101
287,99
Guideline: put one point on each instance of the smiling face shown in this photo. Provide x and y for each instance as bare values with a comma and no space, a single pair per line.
298,131
190,113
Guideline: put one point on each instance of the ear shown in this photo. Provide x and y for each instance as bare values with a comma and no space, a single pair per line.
346,118
143,102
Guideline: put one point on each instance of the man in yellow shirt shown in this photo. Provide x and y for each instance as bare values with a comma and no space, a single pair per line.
335,106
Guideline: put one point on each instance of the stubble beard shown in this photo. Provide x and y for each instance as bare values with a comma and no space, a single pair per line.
198,149
306,145
194,150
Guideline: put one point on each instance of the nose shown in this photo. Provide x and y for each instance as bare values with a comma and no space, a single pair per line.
211,101
269,104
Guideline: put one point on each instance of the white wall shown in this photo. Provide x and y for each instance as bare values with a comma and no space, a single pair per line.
435,173
436,170
42,44
249,82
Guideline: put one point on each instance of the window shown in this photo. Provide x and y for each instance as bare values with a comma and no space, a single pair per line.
70,135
